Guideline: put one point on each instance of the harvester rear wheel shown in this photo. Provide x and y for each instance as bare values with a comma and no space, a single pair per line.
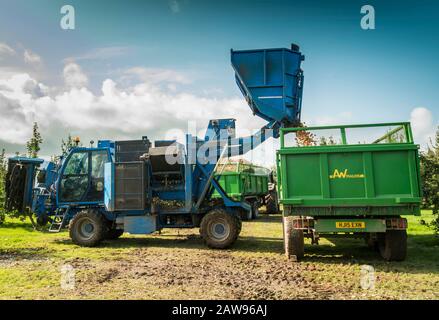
220,229
294,243
88,228
393,245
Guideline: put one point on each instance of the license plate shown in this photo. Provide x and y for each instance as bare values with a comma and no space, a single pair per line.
350,225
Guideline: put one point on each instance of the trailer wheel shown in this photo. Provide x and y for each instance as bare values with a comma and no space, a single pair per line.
88,228
393,245
371,241
239,224
271,203
220,229
245,215
113,234
294,244
255,210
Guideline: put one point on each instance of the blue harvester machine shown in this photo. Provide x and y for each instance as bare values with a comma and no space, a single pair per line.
139,188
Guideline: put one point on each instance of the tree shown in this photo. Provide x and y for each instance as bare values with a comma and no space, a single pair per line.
33,145
67,144
327,141
430,179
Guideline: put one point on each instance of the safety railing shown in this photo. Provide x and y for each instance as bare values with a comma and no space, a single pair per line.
395,133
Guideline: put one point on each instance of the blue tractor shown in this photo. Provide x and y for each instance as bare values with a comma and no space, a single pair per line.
139,187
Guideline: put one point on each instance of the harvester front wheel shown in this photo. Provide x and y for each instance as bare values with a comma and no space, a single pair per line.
393,245
88,228
294,243
220,229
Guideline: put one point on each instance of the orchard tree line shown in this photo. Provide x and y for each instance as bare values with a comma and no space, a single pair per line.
430,179
429,167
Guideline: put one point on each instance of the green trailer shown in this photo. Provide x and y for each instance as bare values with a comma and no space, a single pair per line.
243,181
357,186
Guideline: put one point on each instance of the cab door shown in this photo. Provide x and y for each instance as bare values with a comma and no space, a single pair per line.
82,177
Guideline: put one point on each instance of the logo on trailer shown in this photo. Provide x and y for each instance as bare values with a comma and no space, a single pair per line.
345,175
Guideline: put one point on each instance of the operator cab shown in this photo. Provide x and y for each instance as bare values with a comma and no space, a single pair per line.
82,176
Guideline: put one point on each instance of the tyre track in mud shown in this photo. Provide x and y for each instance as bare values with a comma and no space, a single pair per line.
204,274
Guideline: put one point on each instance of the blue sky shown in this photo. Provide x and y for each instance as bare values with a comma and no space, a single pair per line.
351,75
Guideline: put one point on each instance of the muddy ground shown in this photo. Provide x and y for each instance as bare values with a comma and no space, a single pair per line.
177,265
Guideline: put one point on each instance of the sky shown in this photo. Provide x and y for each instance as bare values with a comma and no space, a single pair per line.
135,68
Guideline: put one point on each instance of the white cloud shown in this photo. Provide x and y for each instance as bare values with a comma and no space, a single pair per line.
423,127
157,75
145,108
6,50
74,77
152,106
32,58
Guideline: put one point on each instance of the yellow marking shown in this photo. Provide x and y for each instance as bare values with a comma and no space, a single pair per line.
345,175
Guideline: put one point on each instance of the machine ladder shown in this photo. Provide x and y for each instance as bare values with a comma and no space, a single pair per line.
58,221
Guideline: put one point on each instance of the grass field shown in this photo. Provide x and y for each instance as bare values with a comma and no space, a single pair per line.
176,265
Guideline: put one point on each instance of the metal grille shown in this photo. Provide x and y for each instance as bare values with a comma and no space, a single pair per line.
130,187
132,150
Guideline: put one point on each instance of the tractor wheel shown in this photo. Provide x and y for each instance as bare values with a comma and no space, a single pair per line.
293,240
88,228
220,229
255,210
271,203
393,245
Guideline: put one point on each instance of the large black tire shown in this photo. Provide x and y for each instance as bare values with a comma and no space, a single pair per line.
371,241
294,243
271,204
88,228
112,233
393,245
255,210
220,229
245,215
